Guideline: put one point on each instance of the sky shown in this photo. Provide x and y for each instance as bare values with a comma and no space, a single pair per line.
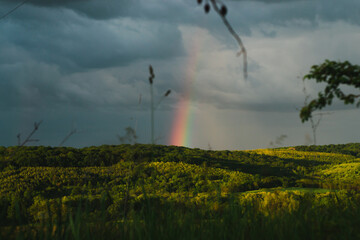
84,65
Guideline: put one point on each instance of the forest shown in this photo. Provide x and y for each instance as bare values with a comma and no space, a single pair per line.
146,191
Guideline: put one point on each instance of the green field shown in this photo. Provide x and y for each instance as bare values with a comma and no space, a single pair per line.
166,192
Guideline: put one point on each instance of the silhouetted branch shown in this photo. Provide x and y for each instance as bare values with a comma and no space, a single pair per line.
72,132
152,106
167,93
222,13
13,10
29,139
314,123
136,121
19,138
151,78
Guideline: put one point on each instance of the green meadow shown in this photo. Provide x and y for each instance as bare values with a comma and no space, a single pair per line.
166,192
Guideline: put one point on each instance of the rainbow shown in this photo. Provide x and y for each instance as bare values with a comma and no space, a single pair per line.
183,118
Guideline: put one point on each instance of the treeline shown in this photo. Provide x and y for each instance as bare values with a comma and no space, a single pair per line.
107,155
352,149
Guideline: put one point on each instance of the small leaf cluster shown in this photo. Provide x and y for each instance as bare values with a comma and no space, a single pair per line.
222,11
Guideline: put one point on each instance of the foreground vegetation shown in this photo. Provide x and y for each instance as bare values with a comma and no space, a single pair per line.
166,192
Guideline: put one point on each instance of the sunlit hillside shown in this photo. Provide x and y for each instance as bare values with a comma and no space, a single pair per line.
63,192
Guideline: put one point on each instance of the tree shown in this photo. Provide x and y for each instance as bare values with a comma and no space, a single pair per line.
334,74
315,118
130,136
279,141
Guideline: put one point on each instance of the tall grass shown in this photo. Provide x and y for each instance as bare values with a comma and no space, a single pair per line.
153,219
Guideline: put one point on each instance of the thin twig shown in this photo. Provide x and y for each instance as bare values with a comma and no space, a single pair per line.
28,139
72,132
136,121
314,124
152,106
167,93
235,35
13,10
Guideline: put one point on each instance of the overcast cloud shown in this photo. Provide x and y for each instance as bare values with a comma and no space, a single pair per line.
85,63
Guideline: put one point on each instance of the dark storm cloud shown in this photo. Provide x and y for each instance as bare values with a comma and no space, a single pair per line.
87,60
244,15
333,10
188,11
268,1
74,43
108,9
282,12
56,55
68,37
98,9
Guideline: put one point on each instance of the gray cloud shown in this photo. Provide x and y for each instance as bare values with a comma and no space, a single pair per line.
187,11
109,9
55,41
77,43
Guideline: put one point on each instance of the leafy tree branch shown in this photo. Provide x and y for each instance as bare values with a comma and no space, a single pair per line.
334,74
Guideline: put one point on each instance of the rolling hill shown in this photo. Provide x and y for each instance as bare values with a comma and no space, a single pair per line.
265,188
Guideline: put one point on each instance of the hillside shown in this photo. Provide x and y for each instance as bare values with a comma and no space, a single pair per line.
43,183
